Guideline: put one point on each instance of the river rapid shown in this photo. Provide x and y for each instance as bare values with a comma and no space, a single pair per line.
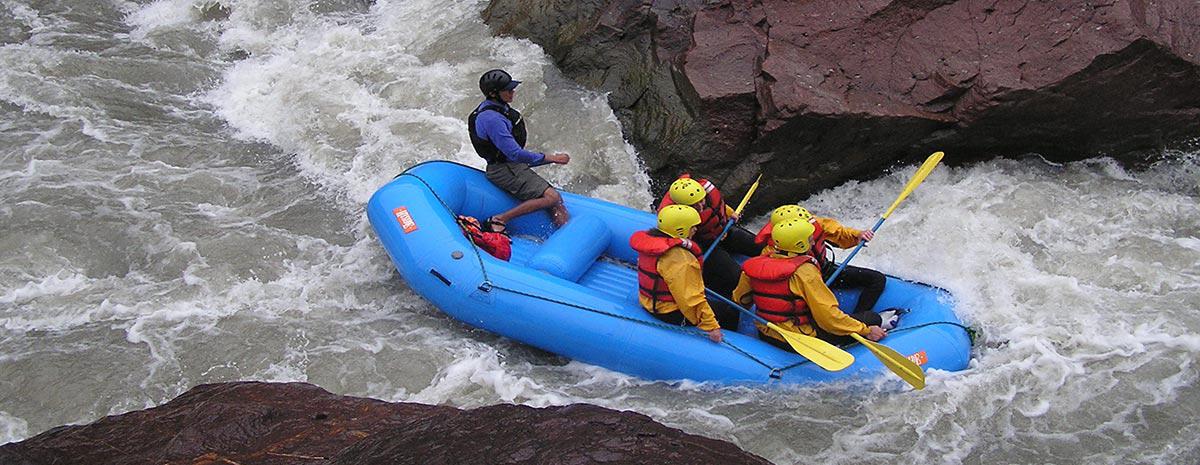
181,202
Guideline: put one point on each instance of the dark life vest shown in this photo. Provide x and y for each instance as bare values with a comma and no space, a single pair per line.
496,244
821,250
485,148
769,287
712,217
650,246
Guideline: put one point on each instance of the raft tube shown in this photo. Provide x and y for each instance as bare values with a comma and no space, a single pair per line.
573,290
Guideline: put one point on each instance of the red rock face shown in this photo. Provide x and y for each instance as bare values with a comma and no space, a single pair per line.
815,93
297,423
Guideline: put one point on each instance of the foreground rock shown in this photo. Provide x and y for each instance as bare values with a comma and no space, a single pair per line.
815,93
297,423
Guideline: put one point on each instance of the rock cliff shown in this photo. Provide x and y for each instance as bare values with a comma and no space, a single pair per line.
815,93
297,423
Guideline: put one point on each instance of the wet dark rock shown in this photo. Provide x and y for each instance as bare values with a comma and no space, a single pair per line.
214,11
815,93
298,423
237,54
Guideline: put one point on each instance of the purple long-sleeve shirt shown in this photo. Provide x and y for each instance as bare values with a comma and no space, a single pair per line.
494,127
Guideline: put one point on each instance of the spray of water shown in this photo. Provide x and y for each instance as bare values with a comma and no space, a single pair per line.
183,198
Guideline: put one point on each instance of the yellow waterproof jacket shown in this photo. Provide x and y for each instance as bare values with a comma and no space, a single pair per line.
838,234
806,282
680,269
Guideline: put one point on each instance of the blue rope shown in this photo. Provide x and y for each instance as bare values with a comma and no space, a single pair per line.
487,285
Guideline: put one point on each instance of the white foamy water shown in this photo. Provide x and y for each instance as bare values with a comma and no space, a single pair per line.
182,204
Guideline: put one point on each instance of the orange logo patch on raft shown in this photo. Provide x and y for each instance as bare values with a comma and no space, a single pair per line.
919,358
405,219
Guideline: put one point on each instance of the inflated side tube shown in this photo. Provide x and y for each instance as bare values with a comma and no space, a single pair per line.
571,250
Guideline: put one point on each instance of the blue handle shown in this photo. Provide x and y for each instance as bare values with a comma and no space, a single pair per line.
852,254
713,246
734,305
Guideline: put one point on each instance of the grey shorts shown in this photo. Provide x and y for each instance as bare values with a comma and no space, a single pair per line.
517,179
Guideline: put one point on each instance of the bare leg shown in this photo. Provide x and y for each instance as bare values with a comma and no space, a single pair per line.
558,212
549,199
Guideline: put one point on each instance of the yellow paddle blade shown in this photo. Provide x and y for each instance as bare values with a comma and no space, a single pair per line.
906,369
922,172
822,353
749,193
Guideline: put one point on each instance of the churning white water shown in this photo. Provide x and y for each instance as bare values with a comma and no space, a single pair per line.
181,196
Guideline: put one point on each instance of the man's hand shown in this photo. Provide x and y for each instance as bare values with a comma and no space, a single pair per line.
559,157
876,333
715,335
866,236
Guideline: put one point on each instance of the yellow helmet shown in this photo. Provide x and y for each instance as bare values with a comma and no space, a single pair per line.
806,215
677,220
790,212
686,191
786,212
793,235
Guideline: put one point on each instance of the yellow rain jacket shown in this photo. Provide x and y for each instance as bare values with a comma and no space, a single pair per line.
680,269
806,282
842,236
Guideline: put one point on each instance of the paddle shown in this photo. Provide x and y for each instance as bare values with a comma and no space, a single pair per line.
906,369
920,175
737,212
822,353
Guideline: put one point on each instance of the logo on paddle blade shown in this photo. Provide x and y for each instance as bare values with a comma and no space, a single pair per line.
405,219
919,358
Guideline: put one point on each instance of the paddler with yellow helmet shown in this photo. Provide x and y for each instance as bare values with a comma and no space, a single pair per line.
670,283
828,231
721,270
786,288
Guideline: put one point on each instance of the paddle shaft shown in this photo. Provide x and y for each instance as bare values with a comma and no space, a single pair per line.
713,246
729,224
822,353
731,303
854,252
918,177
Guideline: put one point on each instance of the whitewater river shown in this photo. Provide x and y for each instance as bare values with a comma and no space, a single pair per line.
181,202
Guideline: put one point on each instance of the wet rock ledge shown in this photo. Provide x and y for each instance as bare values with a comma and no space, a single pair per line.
298,423
817,92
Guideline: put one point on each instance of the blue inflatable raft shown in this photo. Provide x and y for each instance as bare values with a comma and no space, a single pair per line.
573,291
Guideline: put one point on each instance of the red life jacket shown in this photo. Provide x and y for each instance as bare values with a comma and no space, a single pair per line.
763,237
769,287
650,246
496,244
712,217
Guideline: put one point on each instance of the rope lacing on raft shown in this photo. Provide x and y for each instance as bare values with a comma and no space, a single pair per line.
487,286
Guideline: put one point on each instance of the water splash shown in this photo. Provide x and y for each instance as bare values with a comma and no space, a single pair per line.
183,205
